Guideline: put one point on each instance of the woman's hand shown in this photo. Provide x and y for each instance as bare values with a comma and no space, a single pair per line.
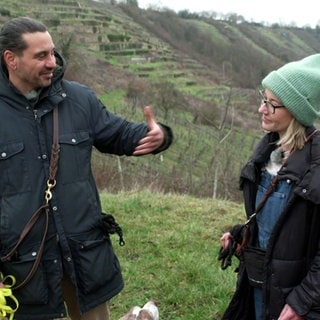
288,314
225,239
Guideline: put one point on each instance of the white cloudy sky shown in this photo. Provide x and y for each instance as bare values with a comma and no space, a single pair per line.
272,11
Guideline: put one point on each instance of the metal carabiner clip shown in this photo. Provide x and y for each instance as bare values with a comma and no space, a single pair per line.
48,194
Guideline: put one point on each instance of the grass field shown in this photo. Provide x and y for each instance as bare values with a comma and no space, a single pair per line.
170,254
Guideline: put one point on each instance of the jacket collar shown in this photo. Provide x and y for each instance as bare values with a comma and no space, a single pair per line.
303,166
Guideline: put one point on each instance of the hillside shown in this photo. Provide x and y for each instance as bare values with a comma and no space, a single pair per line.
199,74
192,49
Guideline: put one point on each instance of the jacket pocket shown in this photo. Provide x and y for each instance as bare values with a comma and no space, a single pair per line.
95,263
75,157
33,292
13,169
288,273
285,275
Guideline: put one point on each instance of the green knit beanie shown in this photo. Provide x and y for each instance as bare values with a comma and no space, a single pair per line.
297,86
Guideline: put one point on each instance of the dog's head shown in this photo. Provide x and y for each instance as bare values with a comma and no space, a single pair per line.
148,312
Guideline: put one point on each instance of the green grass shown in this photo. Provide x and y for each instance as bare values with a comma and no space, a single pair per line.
171,251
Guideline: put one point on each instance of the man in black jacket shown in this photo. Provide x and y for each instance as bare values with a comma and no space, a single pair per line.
71,252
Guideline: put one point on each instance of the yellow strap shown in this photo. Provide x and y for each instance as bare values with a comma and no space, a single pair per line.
6,292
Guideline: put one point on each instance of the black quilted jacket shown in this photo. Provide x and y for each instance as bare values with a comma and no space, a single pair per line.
292,261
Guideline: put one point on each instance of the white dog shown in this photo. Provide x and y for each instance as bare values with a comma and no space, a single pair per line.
148,312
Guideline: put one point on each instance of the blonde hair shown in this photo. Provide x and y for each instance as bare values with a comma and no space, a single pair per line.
295,137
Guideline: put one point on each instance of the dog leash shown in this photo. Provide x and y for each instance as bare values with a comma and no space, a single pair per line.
7,311
44,209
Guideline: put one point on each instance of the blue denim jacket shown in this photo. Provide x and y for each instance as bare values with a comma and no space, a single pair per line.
267,218
270,212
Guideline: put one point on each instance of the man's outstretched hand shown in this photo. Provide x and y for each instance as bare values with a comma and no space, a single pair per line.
154,138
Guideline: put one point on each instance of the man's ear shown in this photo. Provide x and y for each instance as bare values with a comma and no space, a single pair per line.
10,59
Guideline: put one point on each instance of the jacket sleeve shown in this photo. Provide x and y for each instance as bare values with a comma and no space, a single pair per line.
168,138
306,296
110,133
114,134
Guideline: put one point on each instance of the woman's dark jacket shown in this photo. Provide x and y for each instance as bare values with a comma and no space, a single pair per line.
292,263
76,243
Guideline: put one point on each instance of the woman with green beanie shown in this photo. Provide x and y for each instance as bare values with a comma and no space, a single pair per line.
279,246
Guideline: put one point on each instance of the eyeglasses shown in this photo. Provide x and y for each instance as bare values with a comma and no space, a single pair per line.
268,103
